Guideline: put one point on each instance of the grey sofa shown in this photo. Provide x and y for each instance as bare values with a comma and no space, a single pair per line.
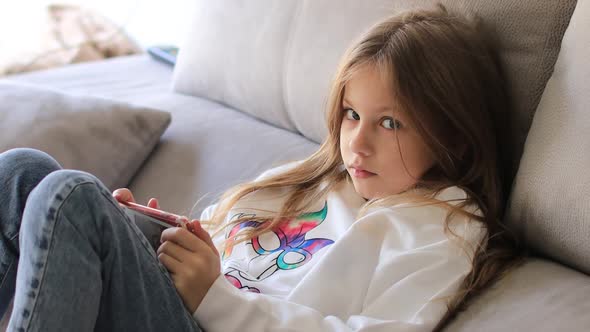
248,90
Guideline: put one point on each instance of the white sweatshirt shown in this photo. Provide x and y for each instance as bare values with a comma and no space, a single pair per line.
326,271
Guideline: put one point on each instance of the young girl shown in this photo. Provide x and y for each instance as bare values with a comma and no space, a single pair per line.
392,225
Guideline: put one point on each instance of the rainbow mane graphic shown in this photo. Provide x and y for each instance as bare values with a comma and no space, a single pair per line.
293,249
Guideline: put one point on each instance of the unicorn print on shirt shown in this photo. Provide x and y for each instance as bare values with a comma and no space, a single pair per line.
285,248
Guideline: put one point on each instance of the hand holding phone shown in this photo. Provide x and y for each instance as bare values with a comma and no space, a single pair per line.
150,220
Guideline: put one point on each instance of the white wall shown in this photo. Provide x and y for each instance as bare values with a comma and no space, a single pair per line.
148,22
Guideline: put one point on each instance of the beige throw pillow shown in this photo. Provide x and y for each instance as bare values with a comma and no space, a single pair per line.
106,138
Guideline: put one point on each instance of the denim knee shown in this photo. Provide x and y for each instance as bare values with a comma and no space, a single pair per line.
31,163
48,198
56,186
21,170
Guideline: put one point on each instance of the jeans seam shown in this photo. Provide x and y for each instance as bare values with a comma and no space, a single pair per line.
6,276
50,245
11,263
13,236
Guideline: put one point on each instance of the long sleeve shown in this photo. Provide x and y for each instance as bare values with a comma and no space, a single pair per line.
384,274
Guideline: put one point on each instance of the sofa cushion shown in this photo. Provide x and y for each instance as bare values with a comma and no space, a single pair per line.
550,199
275,59
108,139
539,296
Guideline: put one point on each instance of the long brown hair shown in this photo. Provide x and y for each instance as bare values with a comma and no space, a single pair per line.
448,80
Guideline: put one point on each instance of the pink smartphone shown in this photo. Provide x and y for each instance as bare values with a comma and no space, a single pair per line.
163,219
167,219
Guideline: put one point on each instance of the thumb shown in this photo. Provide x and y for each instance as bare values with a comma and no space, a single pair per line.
123,195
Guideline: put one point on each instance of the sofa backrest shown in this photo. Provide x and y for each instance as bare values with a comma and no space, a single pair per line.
235,53
550,202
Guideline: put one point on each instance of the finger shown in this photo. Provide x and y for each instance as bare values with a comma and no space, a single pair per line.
171,263
174,250
153,203
204,235
183,238
123,195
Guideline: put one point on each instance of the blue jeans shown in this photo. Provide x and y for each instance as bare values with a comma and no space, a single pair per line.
84,265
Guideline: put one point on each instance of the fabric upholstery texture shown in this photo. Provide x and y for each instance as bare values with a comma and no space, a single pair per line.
108,139
539,296
235,54
550,202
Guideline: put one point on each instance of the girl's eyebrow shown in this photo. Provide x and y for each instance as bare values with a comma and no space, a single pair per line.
385,109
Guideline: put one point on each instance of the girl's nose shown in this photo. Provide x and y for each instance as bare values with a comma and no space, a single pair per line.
360,141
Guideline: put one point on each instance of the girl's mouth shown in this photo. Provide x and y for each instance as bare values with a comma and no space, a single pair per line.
361,173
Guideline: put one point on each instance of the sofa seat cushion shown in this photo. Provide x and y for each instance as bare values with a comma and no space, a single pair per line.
540,296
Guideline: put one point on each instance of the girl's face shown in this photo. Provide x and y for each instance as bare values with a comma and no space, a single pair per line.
368,140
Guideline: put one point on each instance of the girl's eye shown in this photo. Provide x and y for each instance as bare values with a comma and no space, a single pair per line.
390,123
351,114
